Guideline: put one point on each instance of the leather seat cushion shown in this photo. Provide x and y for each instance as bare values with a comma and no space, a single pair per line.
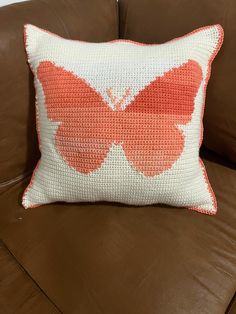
110,258
29,299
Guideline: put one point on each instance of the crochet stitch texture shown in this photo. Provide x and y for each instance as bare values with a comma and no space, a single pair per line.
121,121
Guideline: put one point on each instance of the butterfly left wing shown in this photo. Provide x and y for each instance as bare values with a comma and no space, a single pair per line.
156,141
81,138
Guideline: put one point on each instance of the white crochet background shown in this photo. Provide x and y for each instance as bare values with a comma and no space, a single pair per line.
184,184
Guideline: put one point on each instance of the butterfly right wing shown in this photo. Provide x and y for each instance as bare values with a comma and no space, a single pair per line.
82,138
155,114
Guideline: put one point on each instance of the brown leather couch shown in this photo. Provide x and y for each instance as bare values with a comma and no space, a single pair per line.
109,258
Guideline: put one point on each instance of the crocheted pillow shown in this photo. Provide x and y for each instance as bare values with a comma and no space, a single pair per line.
121,121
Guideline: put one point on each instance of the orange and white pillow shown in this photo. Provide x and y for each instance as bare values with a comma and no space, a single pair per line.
121,121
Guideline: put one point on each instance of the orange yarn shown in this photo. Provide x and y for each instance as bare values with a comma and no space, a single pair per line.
146,129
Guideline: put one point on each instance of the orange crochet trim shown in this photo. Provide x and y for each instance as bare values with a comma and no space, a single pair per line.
214,201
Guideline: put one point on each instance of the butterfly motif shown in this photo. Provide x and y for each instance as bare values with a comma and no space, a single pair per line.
147,128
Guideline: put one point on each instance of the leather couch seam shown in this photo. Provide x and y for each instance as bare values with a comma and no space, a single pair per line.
28,274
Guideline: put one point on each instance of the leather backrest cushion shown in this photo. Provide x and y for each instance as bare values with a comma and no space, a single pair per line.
157,21
90,20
